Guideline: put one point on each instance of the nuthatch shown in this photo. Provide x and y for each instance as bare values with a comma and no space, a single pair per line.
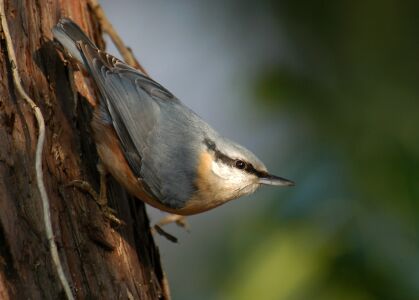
153,145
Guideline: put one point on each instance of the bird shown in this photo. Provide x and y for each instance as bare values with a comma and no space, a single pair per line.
156,147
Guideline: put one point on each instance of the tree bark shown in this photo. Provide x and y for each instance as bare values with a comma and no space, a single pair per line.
100,261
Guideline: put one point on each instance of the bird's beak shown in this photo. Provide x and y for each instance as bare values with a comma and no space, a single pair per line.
269,179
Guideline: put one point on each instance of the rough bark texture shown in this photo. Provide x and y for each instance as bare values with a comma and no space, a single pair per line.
101,262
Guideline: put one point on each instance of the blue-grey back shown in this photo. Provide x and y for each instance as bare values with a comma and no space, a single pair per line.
161,138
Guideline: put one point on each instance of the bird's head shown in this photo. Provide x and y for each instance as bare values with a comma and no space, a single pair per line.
228,171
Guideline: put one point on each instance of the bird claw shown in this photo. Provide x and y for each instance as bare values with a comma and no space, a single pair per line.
100,199
176,219
183,223
110,214
84,186
171,218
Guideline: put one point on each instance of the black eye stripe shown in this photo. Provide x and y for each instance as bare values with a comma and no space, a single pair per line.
249,168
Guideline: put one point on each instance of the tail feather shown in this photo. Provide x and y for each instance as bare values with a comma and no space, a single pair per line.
68,34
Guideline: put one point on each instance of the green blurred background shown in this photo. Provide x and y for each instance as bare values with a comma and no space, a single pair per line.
327,93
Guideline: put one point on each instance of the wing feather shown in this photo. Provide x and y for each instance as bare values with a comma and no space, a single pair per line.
132,100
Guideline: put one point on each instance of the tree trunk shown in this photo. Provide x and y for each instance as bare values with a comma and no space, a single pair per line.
99,261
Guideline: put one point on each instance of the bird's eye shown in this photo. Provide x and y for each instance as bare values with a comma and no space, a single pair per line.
240,164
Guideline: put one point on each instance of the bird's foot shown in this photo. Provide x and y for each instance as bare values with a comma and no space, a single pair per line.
101,198
101,201
111,215
173,218
170,218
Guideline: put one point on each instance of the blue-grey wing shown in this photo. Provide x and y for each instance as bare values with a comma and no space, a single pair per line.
134,103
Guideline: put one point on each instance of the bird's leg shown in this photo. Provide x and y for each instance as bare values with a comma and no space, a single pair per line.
101,199
170,218
173,218
84,186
